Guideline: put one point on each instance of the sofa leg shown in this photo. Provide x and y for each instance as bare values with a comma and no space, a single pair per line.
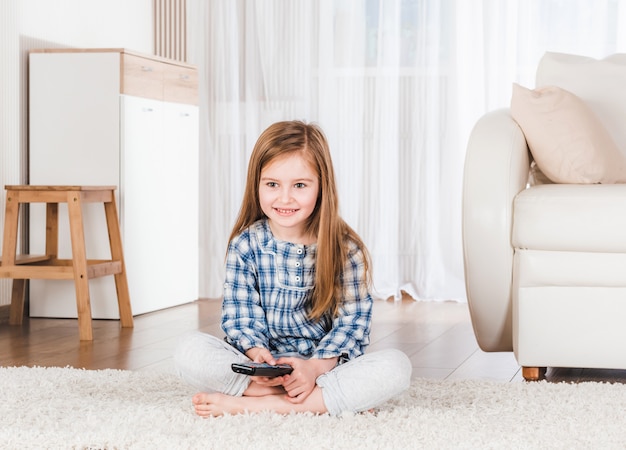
533,373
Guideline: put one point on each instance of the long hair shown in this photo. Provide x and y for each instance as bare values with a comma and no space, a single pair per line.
332,231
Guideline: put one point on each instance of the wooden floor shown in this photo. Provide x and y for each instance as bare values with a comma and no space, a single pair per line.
437,336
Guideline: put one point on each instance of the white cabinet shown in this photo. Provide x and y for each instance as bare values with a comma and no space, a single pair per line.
113,117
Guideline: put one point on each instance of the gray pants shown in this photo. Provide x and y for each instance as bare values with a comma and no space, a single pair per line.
203,361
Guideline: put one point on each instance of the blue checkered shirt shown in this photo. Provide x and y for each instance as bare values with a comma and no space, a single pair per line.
267,289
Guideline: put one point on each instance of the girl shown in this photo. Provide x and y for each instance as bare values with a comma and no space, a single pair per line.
296,292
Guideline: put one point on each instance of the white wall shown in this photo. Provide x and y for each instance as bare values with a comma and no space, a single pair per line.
28,24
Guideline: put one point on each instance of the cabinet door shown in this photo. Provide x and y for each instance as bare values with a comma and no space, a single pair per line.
159,203
73,140
74,118
182,156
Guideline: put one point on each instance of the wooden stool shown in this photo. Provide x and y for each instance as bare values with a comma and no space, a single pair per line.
79,268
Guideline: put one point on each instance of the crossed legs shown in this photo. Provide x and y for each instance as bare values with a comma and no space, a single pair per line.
358,385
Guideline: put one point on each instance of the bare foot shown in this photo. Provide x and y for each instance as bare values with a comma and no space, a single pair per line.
216,404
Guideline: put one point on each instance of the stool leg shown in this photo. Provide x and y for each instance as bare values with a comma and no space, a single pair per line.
16,312
79,259
9,250
9,245
52,231
121,282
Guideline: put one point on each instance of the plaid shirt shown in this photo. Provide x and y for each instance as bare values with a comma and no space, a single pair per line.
267,289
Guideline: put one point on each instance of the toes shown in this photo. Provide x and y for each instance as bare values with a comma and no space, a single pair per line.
200,398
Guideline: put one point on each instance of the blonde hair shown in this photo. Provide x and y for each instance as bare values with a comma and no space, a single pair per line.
331,230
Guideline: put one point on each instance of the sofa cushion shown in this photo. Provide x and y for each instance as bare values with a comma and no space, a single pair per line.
600,83
571,218
565,137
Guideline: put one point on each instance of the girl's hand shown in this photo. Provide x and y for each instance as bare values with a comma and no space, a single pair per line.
301,382
263,355
260,355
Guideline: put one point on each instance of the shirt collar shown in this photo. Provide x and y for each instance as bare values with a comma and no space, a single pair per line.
263,233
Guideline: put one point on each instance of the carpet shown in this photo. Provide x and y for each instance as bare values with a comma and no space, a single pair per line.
62,408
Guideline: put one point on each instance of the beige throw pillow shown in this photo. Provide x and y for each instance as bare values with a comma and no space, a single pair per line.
566,139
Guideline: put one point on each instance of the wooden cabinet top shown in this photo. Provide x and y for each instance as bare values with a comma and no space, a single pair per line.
112,50
147,76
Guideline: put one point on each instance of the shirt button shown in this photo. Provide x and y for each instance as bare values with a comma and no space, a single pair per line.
299,251
297,278
297,264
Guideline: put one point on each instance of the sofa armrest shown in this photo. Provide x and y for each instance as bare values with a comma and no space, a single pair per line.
496,169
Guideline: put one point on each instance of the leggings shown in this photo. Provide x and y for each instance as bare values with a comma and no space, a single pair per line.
203,361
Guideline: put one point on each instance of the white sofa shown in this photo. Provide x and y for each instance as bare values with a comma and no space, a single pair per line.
545,261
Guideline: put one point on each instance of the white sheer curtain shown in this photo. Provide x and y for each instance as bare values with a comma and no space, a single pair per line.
397,86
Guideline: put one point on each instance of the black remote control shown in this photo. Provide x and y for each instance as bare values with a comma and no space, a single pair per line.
261,369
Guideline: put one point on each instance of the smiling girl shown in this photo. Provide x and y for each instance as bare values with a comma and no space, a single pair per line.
296,293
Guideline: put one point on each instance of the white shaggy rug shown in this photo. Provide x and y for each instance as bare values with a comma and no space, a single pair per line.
62,408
